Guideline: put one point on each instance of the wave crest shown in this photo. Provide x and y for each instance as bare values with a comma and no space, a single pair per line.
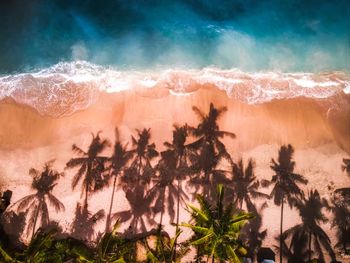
66,87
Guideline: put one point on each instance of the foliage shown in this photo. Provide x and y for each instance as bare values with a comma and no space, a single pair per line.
165,249
217,229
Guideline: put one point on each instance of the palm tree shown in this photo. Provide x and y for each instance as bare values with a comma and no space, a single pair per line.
43,183
210,150
164,249
245,185
217,229
310,211
285,183
112,247
91,166
118,162
346,165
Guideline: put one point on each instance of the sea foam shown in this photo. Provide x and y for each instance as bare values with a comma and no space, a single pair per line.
67,87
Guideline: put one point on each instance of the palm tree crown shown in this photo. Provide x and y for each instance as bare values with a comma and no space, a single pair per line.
217,228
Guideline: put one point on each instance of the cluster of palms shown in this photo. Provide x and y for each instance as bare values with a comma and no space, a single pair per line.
153,184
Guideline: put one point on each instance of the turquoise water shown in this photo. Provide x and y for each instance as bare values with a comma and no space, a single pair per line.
250,35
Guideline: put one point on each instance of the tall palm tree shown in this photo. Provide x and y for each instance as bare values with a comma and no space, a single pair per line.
136,178
244,184
217,228
310,211
37,204
285,183
91,166
118,162
210,150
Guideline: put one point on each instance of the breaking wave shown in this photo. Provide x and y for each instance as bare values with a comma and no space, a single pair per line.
67,87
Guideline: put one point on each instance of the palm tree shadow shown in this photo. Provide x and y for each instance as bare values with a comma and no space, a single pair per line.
117,166
209,151
297,250
84,222
135,182
36,205
244,186
12,227
91,166
310,210
167,185
252,235
346,165
340,201
285,183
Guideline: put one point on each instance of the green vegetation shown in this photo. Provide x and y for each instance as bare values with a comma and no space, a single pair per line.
226,227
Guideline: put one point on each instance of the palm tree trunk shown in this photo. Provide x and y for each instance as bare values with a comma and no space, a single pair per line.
36,219
281,230
310,246
241,205
108,220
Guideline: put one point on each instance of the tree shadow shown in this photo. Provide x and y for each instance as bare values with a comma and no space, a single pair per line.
297,250
36,205
310,211
210,151
252,234
346,165
135,182
243,185
285,183
117,165
84,222
340,201
91,166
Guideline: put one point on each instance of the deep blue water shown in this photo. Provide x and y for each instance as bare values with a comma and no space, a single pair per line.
295,35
